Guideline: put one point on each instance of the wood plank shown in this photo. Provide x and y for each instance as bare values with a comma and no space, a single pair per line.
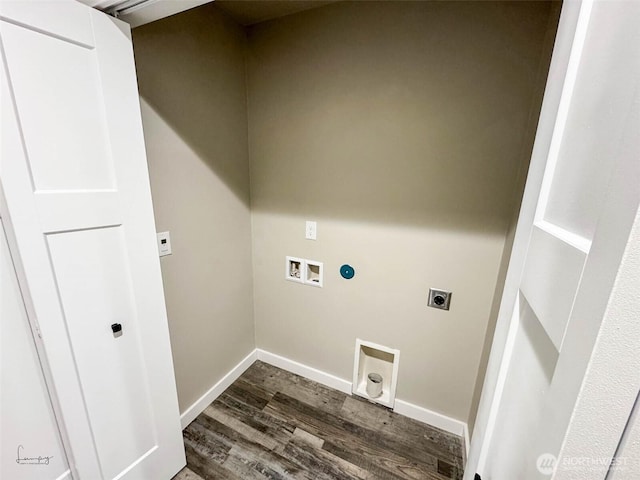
402,447
449,471
308,438
351,437
254,467
389,467
256,419
250,460
271,424
206,442
223,434
249,394
323,464
276,380
241,428
205,467
403,430
187,474
247,457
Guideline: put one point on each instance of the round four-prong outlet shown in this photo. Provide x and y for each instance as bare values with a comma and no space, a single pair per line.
439,298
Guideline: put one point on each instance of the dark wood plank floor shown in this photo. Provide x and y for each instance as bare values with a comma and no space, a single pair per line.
271,424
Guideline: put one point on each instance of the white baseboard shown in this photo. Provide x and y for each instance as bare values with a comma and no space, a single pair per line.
467,441
214,392
430,417
305,371
407,409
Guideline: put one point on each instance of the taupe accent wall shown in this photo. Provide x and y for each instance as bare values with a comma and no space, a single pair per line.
399,128
403,128
191,77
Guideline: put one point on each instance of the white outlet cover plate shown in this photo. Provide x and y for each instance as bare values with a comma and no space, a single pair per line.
311,230
164,243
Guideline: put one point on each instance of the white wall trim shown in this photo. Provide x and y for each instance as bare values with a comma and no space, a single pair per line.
407,409
305,371
467,443
214,392
430,417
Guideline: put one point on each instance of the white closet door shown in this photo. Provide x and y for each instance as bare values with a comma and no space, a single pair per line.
30,447
75,181
574,231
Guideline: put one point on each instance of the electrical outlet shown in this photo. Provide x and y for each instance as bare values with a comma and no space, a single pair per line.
439,299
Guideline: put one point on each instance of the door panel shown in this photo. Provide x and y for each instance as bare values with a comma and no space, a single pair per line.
93,279
74,176
45,16
550,281
60,212
575,201
531,371
558,248
62,118
28,422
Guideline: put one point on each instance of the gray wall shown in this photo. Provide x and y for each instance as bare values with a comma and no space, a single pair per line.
192,82
401,128
518,191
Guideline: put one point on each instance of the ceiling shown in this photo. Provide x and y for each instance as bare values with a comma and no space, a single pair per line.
245,12
139,12
249,12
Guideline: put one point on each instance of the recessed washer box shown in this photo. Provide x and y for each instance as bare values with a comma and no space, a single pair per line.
294,269
313,273
301,270
373,358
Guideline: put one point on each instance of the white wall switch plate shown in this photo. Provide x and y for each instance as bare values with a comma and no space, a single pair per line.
164,244
311,230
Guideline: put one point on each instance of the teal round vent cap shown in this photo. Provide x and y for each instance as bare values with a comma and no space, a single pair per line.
347,271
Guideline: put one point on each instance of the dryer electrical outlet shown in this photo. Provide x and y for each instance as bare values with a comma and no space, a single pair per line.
439,298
